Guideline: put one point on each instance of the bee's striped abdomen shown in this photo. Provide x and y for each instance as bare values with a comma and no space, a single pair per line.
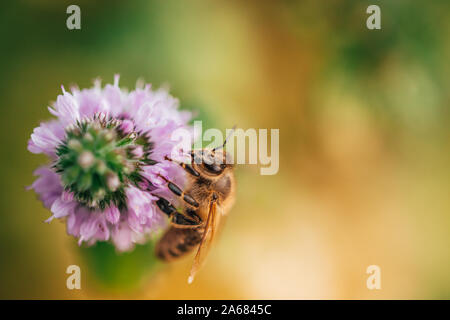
176,242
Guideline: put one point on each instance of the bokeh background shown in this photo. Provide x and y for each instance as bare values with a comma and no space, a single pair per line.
364,143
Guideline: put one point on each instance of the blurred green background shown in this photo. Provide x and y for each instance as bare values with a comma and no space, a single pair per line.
364,143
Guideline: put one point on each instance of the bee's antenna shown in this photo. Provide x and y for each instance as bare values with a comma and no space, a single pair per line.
226,140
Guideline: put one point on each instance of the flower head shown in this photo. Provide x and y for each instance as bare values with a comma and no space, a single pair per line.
107,148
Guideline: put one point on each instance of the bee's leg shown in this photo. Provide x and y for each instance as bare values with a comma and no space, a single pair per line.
188,167
178,219
177,191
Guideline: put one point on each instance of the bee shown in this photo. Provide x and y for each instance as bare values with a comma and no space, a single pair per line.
208,196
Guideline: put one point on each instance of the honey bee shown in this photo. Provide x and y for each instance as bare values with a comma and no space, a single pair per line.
209,195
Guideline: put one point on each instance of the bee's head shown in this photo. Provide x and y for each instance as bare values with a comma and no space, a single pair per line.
212,162
215,161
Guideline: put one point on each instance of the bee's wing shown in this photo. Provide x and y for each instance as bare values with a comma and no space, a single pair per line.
208,236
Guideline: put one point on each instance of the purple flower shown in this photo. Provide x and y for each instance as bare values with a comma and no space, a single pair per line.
107,148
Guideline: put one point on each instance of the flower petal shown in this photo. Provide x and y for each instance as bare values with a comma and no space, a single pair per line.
112,214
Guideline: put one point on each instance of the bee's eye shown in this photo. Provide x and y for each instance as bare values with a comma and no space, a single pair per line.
213,168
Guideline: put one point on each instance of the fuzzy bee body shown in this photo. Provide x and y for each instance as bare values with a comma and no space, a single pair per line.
209,195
